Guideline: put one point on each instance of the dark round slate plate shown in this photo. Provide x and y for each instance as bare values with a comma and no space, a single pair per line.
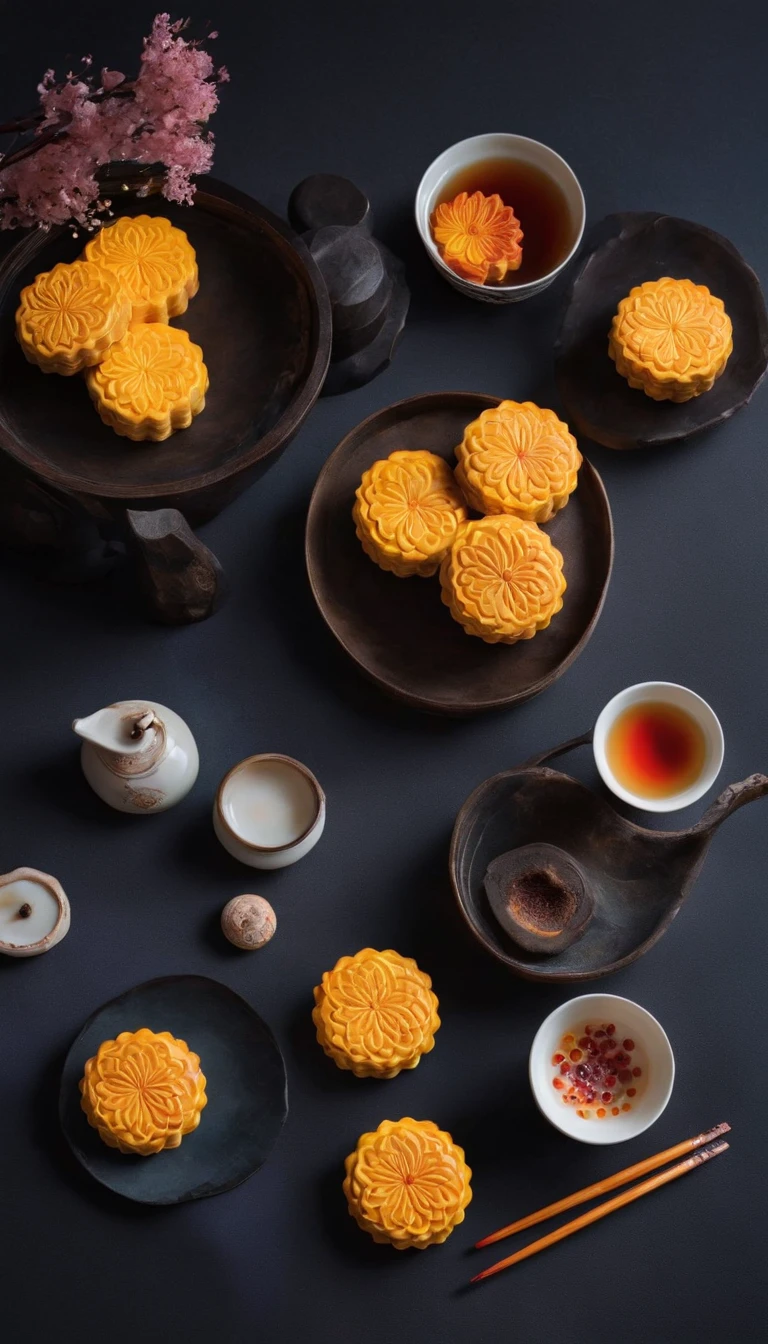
397,630
246,1087
262,317
625,250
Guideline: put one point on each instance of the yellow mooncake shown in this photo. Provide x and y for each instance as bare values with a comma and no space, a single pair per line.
154,263
143,1092
518,458
408,1184
375,1013
150,383
407,509
671,339
478,237
69,317
502,579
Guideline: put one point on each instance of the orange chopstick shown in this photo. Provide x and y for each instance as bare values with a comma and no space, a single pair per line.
602,1210
610,1183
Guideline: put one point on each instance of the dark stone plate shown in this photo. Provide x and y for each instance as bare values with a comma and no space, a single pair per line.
398,631
625,250
262,317
246,1087
639,878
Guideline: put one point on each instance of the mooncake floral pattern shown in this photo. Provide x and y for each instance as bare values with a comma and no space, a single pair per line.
153,261
408,1184
478,237
143,1091
69,316
152,382
671,338
375,1013
407,509
503,579
518,458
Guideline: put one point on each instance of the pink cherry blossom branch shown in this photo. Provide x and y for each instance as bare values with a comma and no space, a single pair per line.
83,125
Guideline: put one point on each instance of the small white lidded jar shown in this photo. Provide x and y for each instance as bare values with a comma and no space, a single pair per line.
269,811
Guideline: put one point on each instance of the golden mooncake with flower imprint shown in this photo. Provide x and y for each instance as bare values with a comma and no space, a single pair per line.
150,383
478,237
407,1183
518,458
671,339
375,1013
153,262
143,1091
407,509
502,579
70,316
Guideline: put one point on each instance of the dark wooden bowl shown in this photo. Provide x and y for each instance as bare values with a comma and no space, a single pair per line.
262,317
397,630
639,878
245,1084
625,250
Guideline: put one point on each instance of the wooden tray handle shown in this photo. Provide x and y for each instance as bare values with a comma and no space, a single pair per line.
573,742
735,796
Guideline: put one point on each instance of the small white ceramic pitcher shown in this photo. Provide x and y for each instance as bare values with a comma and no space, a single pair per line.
138,755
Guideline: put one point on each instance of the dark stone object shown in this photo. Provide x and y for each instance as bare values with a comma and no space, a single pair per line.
625,250
365,282
540,897
397,630
325,198
639,878
181,578
262,317
245,1083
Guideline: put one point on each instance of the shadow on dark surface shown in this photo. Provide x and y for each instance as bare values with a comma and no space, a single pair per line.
199,852
316,1067
57,781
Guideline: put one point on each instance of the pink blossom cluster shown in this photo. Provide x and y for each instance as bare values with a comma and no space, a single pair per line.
85,123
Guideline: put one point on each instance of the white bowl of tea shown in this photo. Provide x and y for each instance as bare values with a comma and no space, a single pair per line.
658,746
534,184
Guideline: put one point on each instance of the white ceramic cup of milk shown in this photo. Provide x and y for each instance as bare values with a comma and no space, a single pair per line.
269,811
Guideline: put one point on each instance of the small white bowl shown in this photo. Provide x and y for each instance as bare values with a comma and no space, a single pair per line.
668,693
498,145
652,1052
269,797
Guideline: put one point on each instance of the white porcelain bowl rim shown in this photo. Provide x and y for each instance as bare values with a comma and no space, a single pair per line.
422,214
613,1130
684,697
259,759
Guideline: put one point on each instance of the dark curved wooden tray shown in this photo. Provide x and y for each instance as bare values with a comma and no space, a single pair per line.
245,1083
262,317
397,630
639,878
624,250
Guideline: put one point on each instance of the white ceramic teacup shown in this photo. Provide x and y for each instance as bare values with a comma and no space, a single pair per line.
269,811
669,693
652,1051
498,145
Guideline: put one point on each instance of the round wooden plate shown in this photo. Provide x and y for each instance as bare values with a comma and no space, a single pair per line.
625,250
262,317
397,630
245,1084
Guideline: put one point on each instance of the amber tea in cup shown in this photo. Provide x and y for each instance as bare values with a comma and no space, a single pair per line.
538,202
655,749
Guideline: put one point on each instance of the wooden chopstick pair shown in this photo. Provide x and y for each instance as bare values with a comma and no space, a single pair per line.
702,1147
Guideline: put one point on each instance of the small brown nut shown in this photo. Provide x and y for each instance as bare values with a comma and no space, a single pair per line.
248,922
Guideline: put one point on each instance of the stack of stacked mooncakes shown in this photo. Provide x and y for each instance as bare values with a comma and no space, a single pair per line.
108,315
502,579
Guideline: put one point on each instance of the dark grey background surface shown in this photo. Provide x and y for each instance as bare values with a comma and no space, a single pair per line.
661,107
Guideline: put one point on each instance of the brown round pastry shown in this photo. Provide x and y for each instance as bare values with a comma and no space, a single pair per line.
248,922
